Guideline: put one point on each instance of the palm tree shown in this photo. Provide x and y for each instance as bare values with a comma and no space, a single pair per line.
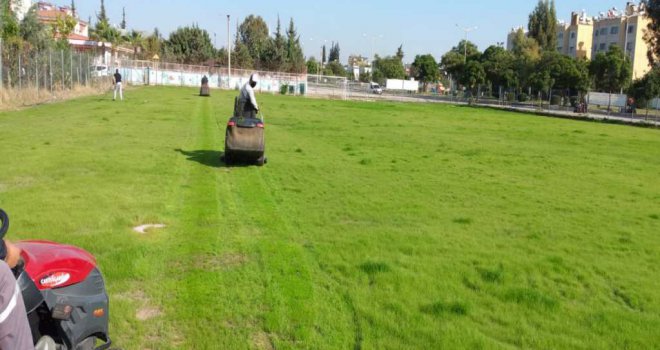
136,40
105,33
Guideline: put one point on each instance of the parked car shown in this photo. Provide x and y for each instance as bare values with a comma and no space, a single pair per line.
99,70
375,88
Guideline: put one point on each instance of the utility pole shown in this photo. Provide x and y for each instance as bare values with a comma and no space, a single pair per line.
466,30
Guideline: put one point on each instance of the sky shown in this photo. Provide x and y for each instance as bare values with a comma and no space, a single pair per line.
360,27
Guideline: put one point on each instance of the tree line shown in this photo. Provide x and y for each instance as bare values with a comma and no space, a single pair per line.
534,63
253,46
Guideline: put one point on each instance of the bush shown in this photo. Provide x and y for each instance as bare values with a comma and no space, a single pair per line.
284,88
510,96
523,97
555,100
574,100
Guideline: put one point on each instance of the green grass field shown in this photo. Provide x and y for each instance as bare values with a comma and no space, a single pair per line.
373,226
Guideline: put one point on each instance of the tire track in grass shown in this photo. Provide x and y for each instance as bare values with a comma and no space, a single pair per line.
288,310
192,301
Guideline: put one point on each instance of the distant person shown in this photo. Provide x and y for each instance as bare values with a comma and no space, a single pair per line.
15,330
247,103
118,87
204,90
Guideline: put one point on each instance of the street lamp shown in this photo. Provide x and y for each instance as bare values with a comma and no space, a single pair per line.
466,30
228,53
373,53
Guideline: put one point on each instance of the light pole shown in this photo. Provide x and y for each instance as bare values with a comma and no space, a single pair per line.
228,54
466,30
373,53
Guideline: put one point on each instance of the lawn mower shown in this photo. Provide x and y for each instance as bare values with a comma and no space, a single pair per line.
64,294
244,139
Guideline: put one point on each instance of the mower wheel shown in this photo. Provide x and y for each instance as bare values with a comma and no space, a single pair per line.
261,160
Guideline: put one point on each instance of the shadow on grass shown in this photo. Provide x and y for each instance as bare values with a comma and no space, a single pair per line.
205,157
213,159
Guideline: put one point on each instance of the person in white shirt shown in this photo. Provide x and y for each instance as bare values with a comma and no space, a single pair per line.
246,100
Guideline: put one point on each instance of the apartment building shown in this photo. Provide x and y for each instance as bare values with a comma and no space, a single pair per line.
626,30
575,38
585,37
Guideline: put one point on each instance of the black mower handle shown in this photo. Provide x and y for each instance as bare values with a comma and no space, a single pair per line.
4,223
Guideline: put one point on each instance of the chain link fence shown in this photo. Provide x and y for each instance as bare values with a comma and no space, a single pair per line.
31,76
138,72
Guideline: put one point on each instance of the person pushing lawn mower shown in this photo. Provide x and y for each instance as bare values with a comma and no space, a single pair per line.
244,136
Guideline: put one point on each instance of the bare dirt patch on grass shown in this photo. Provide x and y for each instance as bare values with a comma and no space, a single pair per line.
220,262
146,310
262,341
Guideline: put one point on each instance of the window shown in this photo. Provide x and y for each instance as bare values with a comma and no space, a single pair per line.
601,47
572,35
614,30
603,31
571,49
629,46
595,33
560,49
631,29
560,36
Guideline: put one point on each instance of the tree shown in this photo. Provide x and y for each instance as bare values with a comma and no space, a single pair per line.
123,18
543,24
425,69
190,45
253,33
612,70
8,22
499,67
335,68
468,50
278,58
137,42
64,26
453,63
399,53
241,55
565,73
294,56
35,34
527,54
389,67
312,66
334,52
152,45
652,35
647,88
323,56
473,76
455,60
102,16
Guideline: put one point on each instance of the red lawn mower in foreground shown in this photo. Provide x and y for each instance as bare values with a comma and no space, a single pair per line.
64,294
